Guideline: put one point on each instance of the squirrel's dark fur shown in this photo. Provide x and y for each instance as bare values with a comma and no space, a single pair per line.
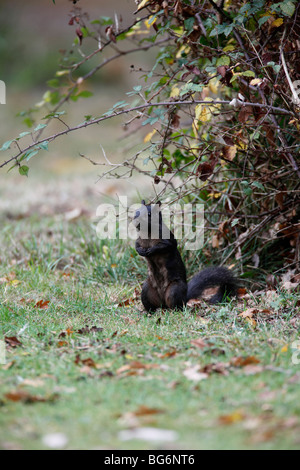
166,285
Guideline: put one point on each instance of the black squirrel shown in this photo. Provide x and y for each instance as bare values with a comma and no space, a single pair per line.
166,285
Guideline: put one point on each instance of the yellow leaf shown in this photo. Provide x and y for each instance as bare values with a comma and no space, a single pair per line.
60,73
149,22
277,23
15,282
256,81
229,48
214,85
149,136
203,114
174,92
142,4
284,348
182,50
229,152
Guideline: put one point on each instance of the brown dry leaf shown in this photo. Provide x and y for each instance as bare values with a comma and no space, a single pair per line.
199,343
232,418
89,362
65,333
175,121
229,152
8,365
27,398
144,410
12,341
135,297
87,330
204,170
124,332
194,302
244,361
241,292
217,367
215,241
134,366
43,304
253,312
171,353
245,113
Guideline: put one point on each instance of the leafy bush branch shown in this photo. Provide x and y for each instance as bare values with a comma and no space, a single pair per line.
222,104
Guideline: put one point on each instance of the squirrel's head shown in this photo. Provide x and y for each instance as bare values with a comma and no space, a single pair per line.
148,219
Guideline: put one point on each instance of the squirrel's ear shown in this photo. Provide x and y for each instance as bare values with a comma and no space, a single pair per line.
143,203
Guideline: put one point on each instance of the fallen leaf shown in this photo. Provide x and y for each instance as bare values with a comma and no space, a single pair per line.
144,410
171,353
43,304
136,365
8,365
232,418
27,398
33,383
217,367
87,330
12,341
199,343
193,373
244,361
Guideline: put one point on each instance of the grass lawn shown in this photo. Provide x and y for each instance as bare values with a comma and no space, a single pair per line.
86,368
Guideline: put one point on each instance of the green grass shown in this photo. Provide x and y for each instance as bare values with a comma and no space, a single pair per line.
131,370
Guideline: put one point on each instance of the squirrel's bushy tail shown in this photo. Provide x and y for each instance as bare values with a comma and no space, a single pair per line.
213,277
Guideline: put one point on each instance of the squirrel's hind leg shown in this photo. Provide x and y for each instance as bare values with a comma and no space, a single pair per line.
150,298
176,295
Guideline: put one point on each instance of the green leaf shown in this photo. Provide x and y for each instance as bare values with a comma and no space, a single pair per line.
85,94
23,134
247,73
28,155
247,191
257,184
54,83
106,20
39,127
44,145
288,8
275,67
28,121
223,60
262,20
23,170
6,145
234,222
190,87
